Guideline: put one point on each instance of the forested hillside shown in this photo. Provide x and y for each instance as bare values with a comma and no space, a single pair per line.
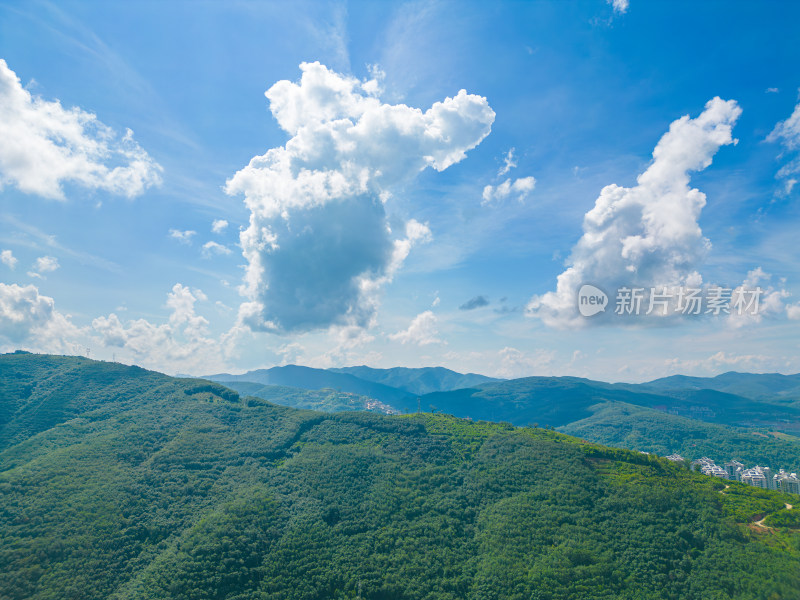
629,417
768,387
560,400
134,485
629,426
742,416
420,381
325,399
315,379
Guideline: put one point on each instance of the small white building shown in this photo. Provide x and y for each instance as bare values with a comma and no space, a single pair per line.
755,477
787,482
734,469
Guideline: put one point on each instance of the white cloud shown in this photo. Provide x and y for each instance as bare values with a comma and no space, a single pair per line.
788,186
43,264
182,343
771,90
319,246
507,363
620,6
290,353
30,319
521,188
44,145
211,248
416,233
787,133
219,225
722,361
184,237
181,300
513,363
422,331
346,343
46,264
793,312
647,235
509,163
22,310
747,309
8,259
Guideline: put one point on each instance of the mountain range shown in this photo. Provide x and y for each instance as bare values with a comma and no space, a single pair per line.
745,399
751,417
118,483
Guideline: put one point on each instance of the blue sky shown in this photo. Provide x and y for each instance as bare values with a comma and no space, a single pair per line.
393,219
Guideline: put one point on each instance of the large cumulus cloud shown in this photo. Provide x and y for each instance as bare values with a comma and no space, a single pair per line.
43,145
30,319
319,244
647,235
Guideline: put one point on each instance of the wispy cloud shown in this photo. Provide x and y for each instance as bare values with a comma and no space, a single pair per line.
212,248
508,163
787,133
23,234
183,236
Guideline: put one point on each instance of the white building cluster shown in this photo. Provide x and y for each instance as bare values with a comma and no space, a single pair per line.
762,477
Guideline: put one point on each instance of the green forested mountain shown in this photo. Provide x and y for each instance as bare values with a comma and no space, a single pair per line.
672,415
420,381
725,426
308,378
768,387
399,385
628,426
558,401
134,485
325,399
39,392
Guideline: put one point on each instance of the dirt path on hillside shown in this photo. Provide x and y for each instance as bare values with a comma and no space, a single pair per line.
760,522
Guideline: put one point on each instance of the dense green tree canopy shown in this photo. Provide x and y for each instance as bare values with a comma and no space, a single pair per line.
118,483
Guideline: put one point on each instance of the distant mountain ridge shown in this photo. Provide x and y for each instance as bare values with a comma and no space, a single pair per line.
418,381
556,401
769,387
739,399
677,413
399,386
325,399
308,378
